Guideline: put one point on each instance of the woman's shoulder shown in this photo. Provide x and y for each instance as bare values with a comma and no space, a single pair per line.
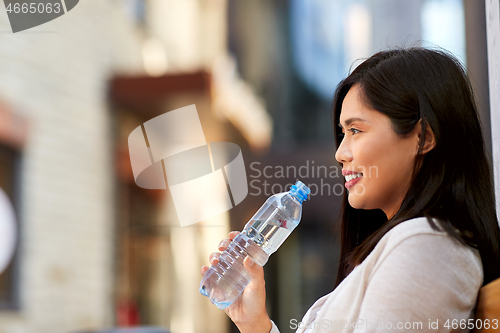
418,239
417,236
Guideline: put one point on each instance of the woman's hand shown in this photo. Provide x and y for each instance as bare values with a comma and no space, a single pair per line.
248,312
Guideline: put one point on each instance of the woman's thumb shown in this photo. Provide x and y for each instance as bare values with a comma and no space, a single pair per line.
255,270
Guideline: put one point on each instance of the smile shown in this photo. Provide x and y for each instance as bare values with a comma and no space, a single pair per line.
352,179
352,176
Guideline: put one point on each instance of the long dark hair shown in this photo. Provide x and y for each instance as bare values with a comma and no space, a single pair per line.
453,182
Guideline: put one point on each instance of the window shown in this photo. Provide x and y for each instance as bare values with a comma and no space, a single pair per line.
9,158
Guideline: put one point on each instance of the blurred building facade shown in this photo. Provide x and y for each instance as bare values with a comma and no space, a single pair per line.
95,251
55,78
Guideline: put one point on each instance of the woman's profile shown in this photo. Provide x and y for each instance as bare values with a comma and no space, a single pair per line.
419,230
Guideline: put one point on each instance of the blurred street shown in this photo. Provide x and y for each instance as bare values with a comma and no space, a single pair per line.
97,253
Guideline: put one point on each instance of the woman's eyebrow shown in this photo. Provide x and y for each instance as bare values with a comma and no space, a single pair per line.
351,120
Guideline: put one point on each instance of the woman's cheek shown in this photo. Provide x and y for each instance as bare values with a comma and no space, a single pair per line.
375,188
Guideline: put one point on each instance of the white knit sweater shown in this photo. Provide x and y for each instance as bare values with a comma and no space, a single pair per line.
414,279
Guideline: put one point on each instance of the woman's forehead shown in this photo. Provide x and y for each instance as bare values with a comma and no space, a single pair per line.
355,109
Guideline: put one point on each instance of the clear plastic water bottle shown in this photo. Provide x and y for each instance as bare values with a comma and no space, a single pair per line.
262,236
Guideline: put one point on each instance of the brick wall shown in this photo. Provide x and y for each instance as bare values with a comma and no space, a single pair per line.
56,76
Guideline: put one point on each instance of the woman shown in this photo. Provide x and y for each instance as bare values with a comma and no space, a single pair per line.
419,229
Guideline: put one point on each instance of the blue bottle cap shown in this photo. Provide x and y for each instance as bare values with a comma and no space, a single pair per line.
300,191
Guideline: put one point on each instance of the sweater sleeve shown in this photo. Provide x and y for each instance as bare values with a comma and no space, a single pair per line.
425,280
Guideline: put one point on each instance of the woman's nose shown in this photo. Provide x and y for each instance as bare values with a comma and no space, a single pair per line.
343,153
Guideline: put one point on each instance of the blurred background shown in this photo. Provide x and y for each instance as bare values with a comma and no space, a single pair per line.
97,252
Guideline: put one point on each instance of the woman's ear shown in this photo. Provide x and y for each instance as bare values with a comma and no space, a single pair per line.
429,141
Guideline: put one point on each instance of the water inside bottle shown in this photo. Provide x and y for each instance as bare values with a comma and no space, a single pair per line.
262,236
270,234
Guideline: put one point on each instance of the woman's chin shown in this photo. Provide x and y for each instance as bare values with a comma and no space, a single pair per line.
354,202
357,201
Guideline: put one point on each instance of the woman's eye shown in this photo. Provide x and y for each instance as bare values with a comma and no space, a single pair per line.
353,129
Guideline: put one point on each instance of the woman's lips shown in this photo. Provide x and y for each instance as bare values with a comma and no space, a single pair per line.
352,182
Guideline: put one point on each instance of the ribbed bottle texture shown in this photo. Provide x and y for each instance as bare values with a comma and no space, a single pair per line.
261,237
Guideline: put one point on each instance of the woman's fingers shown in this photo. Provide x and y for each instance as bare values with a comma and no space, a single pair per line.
233,234
214,257
225,242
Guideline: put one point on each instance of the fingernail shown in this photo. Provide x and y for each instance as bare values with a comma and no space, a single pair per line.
250,262
221,244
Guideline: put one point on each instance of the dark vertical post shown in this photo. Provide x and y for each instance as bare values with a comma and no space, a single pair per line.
477,62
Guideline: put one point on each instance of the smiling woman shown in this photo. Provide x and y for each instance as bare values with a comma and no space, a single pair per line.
369,143
421,104
422,133
420,236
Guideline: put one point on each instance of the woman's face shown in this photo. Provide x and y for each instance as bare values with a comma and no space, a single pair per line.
371,147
